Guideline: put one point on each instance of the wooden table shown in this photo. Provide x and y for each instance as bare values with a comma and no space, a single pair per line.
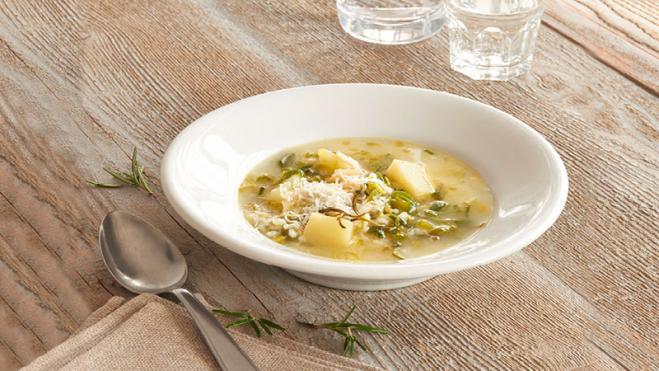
82,81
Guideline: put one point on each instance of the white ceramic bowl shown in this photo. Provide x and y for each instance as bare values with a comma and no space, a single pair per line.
207,161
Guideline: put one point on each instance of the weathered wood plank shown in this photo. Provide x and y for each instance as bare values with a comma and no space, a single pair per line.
51,142
88,79
623,34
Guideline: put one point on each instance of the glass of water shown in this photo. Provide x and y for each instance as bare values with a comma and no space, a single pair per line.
493,39
391,21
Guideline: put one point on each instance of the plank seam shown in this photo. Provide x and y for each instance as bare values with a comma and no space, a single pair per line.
612,358
582,45
12,351
25,325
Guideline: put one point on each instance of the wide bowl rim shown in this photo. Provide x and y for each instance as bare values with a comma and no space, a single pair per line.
368,271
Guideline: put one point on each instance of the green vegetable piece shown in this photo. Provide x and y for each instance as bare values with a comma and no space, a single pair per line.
374,187
383,178
377,230
402,200
382,162
397,233
264,179
437,195
438,205
261,190
289,172
287,161
431,212
373,190
442,229
310,173
425,225
429,151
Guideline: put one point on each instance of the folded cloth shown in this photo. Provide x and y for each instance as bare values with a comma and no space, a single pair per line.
151,333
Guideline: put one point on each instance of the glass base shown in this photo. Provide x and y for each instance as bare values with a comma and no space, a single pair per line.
497,73
391,30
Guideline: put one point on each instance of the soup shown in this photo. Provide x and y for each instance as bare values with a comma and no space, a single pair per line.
366,199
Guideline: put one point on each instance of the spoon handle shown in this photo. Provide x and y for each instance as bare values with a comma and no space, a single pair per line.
227,353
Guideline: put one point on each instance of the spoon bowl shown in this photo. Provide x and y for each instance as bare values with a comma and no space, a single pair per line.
147,262
143,260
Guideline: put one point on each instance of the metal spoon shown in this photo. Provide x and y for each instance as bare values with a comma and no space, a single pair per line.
143,260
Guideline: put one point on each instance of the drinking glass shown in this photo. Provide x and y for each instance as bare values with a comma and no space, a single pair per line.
493,39
391,21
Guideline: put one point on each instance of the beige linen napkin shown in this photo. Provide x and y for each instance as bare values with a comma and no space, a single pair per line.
151,333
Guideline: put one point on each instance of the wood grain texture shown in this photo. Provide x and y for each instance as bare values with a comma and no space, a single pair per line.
623,34
83,81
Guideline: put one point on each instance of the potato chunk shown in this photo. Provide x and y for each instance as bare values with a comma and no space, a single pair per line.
336,160
323,230
411,176
274,195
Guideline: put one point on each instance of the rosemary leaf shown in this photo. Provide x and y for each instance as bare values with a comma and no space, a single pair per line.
228,313
103,185
352,309
361,345
365,327
120,176
239,322
265,327
267,323
256,328
134,164
348,345
138,172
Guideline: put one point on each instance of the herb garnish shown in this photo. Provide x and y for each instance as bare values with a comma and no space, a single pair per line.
349,331
135,177
340,215
245,318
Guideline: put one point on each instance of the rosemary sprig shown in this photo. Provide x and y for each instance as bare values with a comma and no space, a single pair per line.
246,318
349,331
135,177
341,215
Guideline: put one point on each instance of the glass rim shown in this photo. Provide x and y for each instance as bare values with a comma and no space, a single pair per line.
455,4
